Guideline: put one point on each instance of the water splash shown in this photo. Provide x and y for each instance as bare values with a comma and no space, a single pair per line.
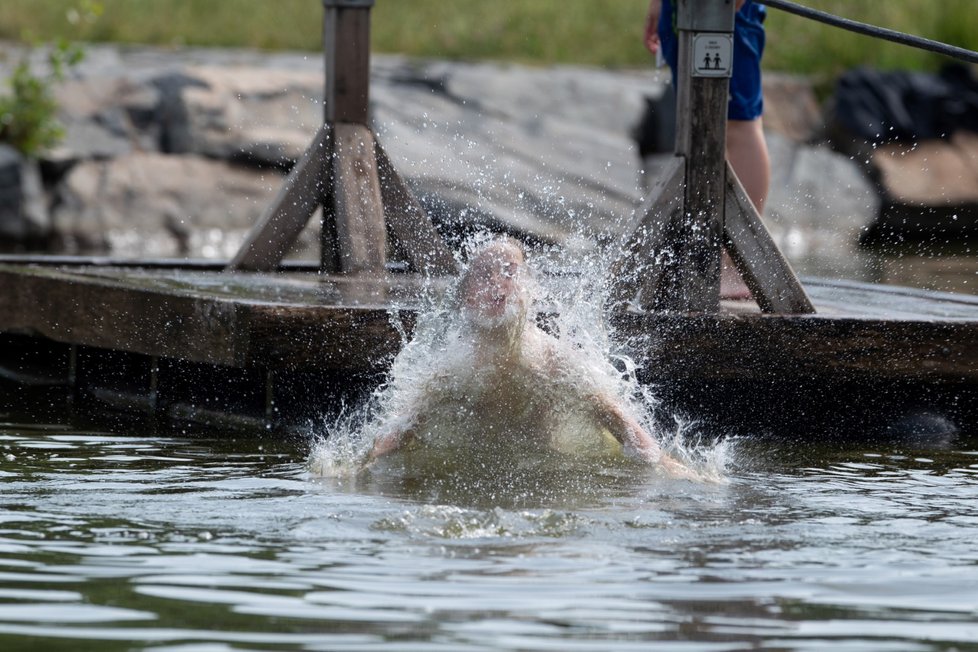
535,426
453,522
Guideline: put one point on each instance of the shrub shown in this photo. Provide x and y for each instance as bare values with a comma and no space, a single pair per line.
28,111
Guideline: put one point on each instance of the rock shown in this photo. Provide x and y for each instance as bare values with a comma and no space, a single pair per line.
513,157
816,187
587,96
790,108
542,152
98,117
23,206
243,113
820,202
931,172
928,190
150,204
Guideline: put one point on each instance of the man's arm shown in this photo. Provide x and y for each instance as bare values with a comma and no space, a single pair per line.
633,437
391,441
625,428
388,443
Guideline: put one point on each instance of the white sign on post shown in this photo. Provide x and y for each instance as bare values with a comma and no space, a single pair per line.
712,55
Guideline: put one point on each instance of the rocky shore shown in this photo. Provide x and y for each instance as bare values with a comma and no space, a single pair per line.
176,152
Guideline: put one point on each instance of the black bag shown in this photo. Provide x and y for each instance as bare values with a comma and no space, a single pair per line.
883,107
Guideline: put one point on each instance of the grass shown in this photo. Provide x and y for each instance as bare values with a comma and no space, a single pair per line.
587,32
799,45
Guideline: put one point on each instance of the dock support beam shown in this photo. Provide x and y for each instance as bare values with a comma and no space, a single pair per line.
368,209
672,259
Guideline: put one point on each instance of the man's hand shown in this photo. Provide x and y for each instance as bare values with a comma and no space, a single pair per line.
388,443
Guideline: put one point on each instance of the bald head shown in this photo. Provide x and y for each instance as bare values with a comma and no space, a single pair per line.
492,289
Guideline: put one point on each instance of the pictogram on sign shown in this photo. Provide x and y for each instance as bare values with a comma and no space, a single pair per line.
712,55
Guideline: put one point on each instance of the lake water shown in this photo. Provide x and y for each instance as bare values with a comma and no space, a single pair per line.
208,541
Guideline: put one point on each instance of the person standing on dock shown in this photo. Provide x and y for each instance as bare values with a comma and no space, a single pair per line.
746,147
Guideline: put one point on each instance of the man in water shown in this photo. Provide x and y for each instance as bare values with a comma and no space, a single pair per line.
503,381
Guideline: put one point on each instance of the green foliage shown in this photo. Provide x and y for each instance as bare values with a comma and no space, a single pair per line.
28,111
798,45
27,114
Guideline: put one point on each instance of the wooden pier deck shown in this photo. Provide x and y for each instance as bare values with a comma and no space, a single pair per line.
188,341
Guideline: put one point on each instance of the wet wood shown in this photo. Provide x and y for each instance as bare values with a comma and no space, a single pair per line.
791,348
361,232
636,272
196,322
410,228
693,283
339,172
346,36
112,314
672,260
299,322
705,15
764,269
283,220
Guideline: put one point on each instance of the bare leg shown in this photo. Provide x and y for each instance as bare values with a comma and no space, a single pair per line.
747,153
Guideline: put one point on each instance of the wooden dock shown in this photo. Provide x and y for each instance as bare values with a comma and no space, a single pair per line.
186,340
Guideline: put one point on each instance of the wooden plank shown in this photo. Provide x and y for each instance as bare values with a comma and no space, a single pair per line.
770,278
284,289
636,268
849,298
199,264
705,15
282,222
329,240
836,298
361,231
844,297
697,348
693,284
346,36
410,227
193,325
902,299
95,312
231,328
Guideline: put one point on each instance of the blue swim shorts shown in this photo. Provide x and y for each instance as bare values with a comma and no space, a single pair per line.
746,98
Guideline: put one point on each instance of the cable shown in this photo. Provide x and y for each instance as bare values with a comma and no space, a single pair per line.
872,30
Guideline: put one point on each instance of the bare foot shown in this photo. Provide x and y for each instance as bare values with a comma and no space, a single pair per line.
732,286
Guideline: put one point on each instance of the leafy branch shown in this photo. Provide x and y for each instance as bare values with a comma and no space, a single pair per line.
28,111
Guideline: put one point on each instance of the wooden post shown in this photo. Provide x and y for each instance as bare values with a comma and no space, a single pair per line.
672,259
280,224
340,172
691,281
346,42
359,212
359,243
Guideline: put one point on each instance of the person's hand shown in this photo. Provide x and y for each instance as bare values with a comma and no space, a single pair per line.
740,3
652,26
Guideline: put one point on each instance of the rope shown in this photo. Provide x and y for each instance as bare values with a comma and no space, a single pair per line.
872,30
